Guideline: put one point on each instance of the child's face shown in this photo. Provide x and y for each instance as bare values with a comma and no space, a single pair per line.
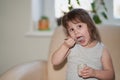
79,32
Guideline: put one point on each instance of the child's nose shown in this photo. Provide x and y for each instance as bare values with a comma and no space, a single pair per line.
76,31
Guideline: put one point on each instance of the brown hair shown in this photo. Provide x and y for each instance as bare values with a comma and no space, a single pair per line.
80,15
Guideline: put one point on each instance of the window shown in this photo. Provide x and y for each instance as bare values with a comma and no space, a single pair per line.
37,11
116,9
61,6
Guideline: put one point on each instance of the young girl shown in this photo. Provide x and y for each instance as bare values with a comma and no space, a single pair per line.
83,46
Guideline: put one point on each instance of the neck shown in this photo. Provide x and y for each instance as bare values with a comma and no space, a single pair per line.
90,44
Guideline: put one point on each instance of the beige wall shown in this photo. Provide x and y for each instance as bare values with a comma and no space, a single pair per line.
15,47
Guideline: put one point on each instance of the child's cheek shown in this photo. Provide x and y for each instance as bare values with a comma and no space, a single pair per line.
73,37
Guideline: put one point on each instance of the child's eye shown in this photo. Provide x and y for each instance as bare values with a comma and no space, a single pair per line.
71,29
79,26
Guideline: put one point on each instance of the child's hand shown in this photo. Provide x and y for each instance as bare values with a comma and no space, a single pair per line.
87,72
69,42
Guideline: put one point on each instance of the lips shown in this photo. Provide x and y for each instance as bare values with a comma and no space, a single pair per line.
80,39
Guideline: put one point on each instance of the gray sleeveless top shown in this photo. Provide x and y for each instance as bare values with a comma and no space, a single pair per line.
81,55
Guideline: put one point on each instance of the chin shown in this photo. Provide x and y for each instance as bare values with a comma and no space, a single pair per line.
84,45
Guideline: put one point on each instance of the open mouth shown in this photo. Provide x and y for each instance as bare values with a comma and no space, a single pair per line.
80,39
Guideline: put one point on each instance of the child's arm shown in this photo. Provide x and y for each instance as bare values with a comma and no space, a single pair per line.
108,71
61,53
106,74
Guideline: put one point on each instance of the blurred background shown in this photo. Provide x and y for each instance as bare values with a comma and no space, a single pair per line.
20,38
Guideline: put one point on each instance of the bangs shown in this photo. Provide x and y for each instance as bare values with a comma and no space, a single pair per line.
73,20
